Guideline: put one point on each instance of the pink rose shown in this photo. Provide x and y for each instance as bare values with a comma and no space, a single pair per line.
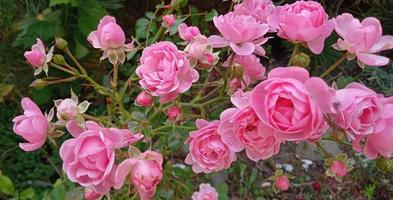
110,38
238,84
67,109
173,112
381,140
358,110
251,66
31,126
338,168
240,128
88,159
292,104
208,153
363,39
38,57
90,194
146,173
200,52
165,71
206,192
259,9
282,183
168,20
187,33
243,33
302,21
144,99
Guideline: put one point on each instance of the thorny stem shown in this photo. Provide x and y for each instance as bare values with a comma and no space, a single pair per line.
334,66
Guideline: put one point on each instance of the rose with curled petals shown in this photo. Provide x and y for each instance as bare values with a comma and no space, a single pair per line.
362,39
259,9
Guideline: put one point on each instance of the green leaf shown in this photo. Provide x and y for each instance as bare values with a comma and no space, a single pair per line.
76,193
27,194
57,2
222,190
341,157
173,28
6,185
209,16
5,89
58,192
90,12
140,28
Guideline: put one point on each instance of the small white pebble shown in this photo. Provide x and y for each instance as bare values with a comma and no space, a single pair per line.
288,167
266,184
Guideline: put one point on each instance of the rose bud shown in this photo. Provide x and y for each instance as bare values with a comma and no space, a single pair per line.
339,168
168,20
144,99
316,186
282,183
173,112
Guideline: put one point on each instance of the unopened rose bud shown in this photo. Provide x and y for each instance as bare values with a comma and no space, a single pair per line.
90,194
168,20
59,59
282,183
301,59
38,84
144,99
339,168
173,112
61,43
316,186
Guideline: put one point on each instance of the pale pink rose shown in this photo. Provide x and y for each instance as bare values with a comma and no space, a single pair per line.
363,39
68,109
339,168
146,173
359,110
200,52
144,99
259,9
302,21
381,141
206,192
165,71
292,104
173,112
188,33
110,38
90,194
38,57
252,67
282,183
208,153
168,20
88,159
243,33
240,128
31,126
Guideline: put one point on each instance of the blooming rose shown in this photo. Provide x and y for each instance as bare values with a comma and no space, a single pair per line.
110,38
363,39
259,9
88,159
292,103
200,52
380,141
338,168
302,21
187,33
208,152
146,173
38,57
282,183
243,33
168,20
32,126
206,192
240,128
165,71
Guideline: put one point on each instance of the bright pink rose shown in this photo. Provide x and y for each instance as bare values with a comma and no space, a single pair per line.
259,9
200,52
173,112
208,153
37,55
168,20
146,173
110,38
243,33
206,192
363,39
88,159
339,168
292,103
302,21
380,141
187,33
165,71
90,194
240,128
144,99
282,183
31,126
